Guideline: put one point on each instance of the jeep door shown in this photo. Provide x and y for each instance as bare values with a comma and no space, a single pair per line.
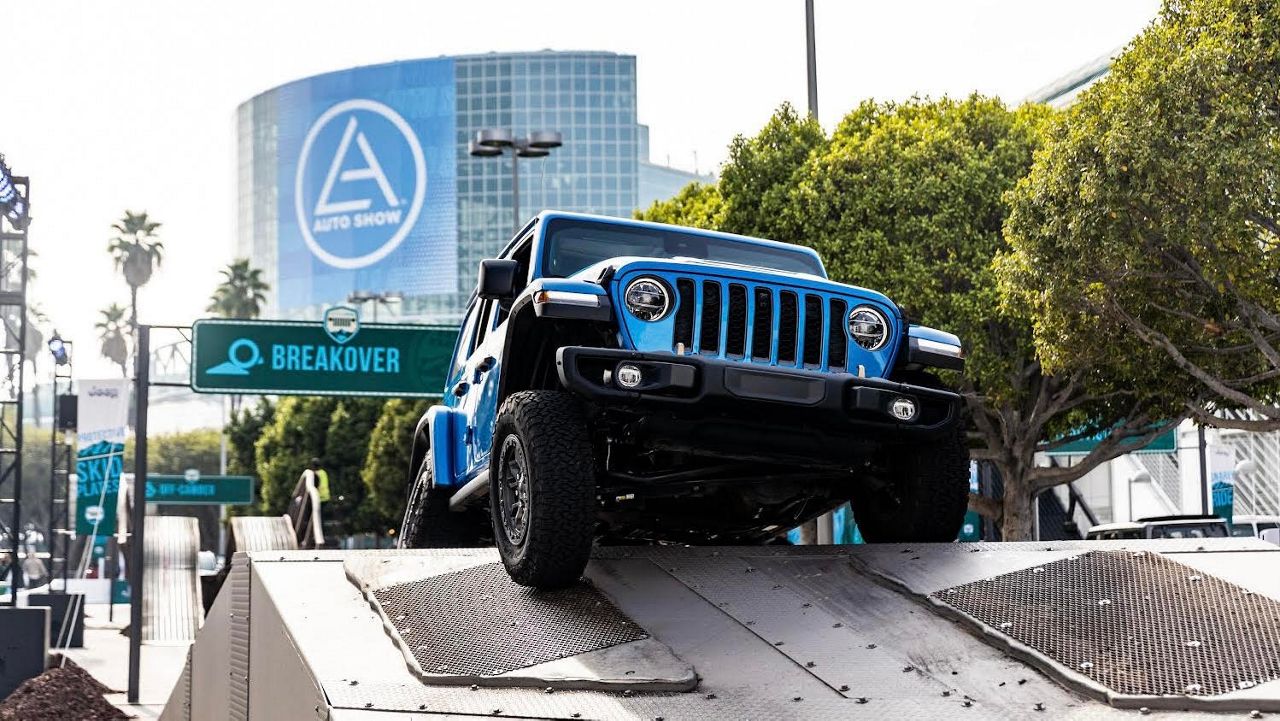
480,400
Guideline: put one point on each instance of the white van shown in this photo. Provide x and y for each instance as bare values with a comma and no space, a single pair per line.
1245,526
1161,527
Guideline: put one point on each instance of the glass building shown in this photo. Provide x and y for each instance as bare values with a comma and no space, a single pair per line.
360,181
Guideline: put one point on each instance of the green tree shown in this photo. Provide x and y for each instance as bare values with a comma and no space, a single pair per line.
757,182
346,447
697,204
111,327
1149,227
296,434
36,483
136,252
386,468
241,292
243,430
908,198
174,453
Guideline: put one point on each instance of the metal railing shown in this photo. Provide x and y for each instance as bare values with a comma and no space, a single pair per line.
1256,492
1166,474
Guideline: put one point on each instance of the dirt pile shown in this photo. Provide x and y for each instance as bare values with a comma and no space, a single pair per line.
63,692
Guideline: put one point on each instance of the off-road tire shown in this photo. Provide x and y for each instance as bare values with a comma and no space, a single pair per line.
551,430
924,496
428,522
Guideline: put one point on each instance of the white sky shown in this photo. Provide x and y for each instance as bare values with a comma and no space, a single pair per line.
114,105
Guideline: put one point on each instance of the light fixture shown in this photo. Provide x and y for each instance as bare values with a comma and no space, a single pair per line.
647,299
628,375
904,409
58,349
12,203
868,327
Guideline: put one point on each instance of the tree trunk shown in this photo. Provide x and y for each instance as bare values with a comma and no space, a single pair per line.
1018,520
133,311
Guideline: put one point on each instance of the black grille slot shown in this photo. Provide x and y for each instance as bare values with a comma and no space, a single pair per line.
736,334
762,325
684,314
837,343
812,330
788,322
709,336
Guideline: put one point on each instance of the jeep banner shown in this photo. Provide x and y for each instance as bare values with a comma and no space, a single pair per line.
103,415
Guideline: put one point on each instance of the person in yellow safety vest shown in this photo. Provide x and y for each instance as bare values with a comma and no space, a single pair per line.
322,480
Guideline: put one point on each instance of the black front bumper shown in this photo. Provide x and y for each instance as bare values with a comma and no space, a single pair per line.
686,384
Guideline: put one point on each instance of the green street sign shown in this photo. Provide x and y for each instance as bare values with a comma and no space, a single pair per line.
231,490
336,356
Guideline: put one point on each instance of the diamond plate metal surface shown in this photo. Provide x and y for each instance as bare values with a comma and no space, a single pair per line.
1135,622
477,622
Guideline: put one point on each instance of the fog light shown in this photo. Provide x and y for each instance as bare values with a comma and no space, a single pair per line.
628,375
904,409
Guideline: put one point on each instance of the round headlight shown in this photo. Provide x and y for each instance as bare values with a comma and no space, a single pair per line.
868,327
647,299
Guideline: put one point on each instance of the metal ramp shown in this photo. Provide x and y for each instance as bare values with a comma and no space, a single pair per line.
262,533
769,632
172,611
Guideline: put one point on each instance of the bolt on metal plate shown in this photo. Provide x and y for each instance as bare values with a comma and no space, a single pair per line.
1166,629
461,623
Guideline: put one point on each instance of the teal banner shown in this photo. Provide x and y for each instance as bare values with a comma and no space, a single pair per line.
211,490
336,356
98,469
1163,443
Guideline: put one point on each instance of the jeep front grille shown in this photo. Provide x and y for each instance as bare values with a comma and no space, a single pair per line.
737,321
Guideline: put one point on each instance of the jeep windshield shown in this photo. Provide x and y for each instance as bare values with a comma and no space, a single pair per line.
572,245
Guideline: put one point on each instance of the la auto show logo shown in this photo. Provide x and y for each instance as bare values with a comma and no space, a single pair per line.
360,184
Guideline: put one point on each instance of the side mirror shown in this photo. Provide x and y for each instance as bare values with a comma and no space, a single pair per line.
498,279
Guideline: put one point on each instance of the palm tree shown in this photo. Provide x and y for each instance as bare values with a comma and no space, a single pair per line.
241,292
111,332
137,253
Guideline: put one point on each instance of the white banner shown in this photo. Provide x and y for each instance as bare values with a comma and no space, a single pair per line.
103,423
103,411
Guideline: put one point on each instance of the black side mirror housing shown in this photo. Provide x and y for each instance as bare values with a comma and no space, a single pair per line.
498,279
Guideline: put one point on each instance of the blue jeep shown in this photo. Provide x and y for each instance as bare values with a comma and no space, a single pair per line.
637,382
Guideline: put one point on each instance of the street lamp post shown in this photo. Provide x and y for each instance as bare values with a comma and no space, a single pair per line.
491,142
61,351
360,297
811,58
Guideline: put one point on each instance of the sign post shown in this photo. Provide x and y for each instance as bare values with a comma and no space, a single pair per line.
337,356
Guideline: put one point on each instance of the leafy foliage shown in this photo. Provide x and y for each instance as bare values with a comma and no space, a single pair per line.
174,453
136,251
697,204
1150,225
241,292
345,449
909,199
296,434
386,468
363,444
111,328
134,248
243,430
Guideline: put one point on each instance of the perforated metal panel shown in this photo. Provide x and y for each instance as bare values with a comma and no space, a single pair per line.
239,581
1135,622
477,622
